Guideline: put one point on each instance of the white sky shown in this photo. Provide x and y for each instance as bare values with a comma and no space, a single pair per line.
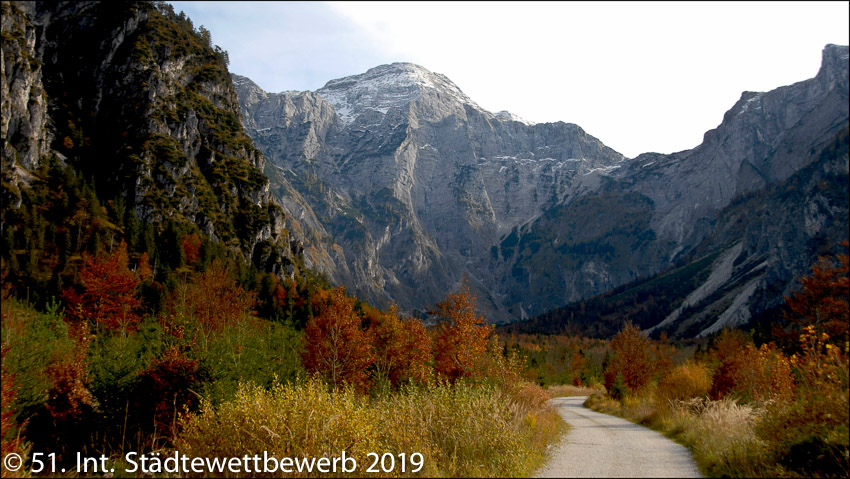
640,76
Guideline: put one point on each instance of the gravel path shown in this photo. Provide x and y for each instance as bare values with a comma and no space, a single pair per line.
599,445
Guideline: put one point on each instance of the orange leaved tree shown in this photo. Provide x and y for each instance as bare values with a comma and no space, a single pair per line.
635,359
822,304
109,299
402,348
461,339
337,347
213,299
191,246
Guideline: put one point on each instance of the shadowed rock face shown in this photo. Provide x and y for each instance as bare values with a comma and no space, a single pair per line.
134,100
403,185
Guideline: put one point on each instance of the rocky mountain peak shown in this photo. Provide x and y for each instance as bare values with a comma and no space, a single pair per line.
834,65
388,86
505,115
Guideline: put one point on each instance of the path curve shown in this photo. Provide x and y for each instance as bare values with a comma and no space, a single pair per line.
600,445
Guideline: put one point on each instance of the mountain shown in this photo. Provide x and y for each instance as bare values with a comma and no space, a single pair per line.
410,182
406,185
135,102
767,189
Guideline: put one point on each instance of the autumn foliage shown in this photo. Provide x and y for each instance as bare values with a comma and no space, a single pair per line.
338,348
822,303
166,384
635,359
213,299
461,339
109,298
191,246
754,409
401,348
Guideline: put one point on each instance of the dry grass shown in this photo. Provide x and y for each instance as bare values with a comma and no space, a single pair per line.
721,434
460,430
565,390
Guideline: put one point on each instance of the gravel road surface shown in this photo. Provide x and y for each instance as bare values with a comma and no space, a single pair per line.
599,445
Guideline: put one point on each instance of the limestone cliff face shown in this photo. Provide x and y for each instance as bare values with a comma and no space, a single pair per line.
23,102
136,98
407,185
411,181
765,187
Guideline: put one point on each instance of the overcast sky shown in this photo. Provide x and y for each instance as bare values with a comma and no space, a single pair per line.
640,76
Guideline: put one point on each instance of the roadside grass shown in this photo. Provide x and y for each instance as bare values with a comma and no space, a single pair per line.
720,434
460,430
805,436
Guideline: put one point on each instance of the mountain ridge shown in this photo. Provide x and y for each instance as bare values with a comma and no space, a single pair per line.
496,183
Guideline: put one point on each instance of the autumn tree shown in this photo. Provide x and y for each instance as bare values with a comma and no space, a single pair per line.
822,304
109,298
212,301
337,347
747,372
143,268
401,347
191,246
165,388
635,359
462,337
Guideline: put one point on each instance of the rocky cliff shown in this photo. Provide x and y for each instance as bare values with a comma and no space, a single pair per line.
413,183
135,98
668,209
410,185
23,101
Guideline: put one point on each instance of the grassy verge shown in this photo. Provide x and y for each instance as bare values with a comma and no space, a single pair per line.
721,434
459,431
729,439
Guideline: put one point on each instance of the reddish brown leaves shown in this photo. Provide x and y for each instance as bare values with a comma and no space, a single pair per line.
191,245
213,299
822,302
109,298
143,268
402,348
68,396
461,340
166,384
337,348
635,358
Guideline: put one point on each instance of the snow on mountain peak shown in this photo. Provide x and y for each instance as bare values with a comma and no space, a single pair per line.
505,115
387,86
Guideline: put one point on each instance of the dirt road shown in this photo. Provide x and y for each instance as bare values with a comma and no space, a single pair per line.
599,445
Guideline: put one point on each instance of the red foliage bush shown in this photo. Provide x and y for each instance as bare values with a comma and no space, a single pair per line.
461,339
109,299
402,348
337,347
164,390
635,358
191,245
750,373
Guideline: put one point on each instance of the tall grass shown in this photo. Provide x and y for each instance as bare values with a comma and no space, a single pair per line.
460,429
721,434
804,434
